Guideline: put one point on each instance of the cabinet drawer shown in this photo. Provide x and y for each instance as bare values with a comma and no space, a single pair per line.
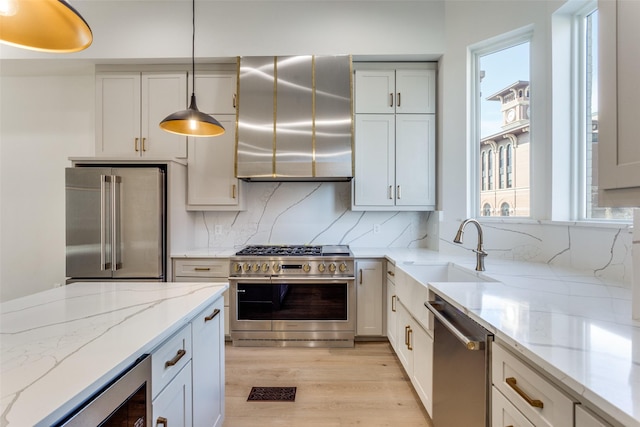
504,414
169,358
527,390
201,268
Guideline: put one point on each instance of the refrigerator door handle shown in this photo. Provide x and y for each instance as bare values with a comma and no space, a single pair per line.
116,197
105,263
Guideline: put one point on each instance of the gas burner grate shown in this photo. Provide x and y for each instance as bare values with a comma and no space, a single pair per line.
301,250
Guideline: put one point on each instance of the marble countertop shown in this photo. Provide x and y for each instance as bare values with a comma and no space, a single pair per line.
571,324
59,346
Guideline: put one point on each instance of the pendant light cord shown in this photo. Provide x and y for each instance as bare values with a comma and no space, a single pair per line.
193,47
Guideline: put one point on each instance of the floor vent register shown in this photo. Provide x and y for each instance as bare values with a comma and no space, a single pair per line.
272,394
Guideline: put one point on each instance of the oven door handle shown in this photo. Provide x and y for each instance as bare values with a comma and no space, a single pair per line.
311,280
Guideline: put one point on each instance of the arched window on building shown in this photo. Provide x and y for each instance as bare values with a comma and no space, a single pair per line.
486,209
501,167
504,209
509,162
483,164
490,169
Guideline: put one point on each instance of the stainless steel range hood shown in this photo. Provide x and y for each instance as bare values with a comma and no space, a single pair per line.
295,120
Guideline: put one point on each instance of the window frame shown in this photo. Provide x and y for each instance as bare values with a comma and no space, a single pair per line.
475,52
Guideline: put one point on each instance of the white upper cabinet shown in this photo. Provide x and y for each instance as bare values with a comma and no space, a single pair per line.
395,138
618,112
129,109
211,162
402,91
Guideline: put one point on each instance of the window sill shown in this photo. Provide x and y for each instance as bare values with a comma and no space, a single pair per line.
586,223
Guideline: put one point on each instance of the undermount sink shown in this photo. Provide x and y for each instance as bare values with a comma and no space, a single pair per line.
449,272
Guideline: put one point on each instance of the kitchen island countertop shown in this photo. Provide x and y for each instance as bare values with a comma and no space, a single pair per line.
58,347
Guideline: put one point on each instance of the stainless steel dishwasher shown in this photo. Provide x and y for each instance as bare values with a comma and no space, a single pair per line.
461,367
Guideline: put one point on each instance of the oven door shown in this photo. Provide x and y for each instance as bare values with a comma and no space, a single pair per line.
314,304
250,304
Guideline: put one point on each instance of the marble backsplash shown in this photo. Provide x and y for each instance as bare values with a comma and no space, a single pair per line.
311,213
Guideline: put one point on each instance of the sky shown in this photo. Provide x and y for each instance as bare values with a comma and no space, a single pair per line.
501,69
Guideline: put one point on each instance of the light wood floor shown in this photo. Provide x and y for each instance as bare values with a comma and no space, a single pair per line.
361,386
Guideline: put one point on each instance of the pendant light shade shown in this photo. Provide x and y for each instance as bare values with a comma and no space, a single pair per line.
192,122
43,25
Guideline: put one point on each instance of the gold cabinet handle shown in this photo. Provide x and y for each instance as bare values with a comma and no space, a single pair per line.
406,335
361,276
233,191
144,146
162,421
391,100
202,268
398,97
135,144
533,402
212,315
391,273
175,359
409,335
393,303
234,100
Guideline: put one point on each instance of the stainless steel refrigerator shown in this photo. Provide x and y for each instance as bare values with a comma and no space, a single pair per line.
115,223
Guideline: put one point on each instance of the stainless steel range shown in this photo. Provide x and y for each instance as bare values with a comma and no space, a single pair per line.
292,296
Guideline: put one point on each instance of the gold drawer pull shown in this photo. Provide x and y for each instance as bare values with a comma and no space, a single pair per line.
393,303
163,421
406,335
409,346
212,315
135,144
391,273
202,268
533,402
176,359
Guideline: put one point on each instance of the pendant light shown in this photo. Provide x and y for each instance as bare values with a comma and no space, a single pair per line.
192,122
43,25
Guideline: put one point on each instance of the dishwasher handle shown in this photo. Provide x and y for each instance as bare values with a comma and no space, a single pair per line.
470,344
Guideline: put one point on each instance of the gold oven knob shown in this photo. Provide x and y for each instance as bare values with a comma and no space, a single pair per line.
256,267
237,267
332,267
276,268
246,266
306,268
322,267
265,267
343,267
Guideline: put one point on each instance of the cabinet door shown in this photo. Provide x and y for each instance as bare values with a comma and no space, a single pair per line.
392,314
172,407
374,160
208,366
422,378
162,94
375,91
404,349
212,183
504,414
369,298
415,160
619,61
216,93
118,115
416,91
585,418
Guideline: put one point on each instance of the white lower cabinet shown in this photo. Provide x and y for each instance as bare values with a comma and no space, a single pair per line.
391,307
187,373
172,407
416,355
586,418
535,397
208,366
504,414
369,319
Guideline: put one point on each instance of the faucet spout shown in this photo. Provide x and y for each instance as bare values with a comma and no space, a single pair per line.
480,252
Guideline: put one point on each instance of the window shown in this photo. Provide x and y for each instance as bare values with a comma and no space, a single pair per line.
588,76
502,124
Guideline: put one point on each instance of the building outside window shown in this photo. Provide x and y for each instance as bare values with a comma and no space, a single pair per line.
504,129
